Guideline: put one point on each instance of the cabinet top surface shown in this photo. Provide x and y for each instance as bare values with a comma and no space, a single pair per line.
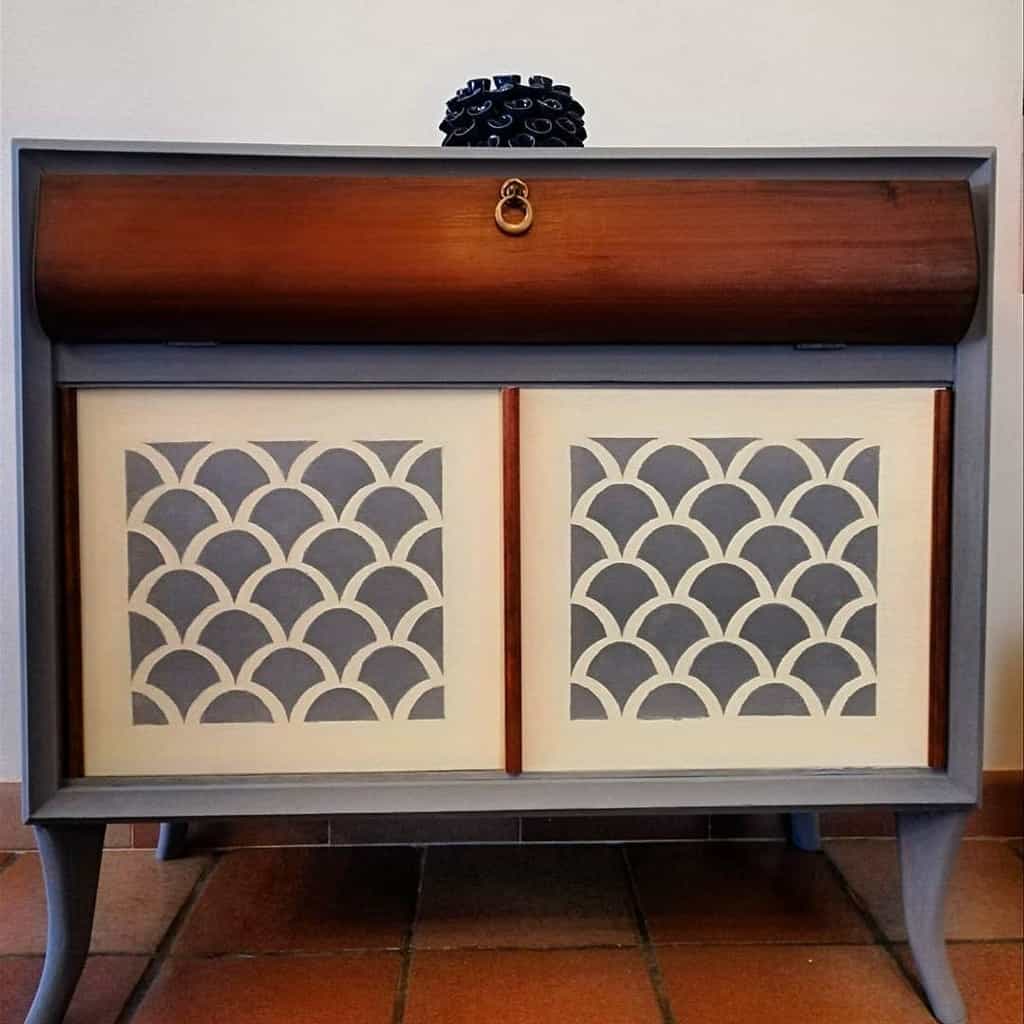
977,154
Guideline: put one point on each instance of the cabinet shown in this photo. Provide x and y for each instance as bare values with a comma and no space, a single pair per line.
336,499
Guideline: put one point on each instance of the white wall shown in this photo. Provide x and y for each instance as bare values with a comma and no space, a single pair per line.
710,73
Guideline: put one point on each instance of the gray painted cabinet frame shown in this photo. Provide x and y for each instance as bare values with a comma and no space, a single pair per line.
933,802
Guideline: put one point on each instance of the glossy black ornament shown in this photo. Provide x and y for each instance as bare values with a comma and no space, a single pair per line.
510,113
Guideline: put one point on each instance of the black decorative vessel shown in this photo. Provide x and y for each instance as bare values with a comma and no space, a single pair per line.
510,113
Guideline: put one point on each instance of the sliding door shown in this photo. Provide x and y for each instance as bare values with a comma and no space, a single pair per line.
727,578
289,580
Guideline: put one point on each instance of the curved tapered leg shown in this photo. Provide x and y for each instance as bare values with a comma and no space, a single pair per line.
171,844
928,847
805,831
71,868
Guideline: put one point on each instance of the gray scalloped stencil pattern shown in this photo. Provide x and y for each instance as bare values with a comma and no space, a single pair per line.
285,581
723,576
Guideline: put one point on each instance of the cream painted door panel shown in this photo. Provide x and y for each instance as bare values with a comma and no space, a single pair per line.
286,580
726,578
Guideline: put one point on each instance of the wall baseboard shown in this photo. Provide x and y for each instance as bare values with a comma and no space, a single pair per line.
1000,816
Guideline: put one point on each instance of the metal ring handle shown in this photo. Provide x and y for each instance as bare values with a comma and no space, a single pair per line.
514,227
514,191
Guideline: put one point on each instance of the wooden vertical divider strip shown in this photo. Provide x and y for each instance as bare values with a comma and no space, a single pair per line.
512,581
942,461
71,598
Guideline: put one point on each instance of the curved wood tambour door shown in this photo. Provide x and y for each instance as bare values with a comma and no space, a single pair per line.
231,257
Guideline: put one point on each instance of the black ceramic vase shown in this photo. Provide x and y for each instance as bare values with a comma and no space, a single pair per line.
510,113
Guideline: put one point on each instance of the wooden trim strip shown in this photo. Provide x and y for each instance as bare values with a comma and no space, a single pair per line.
71,598
942,472
513,595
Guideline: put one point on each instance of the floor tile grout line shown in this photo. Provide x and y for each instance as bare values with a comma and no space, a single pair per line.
881,938
196,850
405,965
476,947
113,954
370,951
642,841
161,954
825,943
695,943
985,942
646,946
639,841
270,954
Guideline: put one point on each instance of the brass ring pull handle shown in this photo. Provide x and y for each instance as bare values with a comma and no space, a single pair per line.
513,193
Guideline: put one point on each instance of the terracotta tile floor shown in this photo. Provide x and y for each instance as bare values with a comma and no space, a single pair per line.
666,933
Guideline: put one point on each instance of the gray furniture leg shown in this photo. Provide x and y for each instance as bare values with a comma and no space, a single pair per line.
171,843
71,857
928,847
805,831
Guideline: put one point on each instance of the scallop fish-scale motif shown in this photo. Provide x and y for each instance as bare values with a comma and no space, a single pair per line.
725,576
285,581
